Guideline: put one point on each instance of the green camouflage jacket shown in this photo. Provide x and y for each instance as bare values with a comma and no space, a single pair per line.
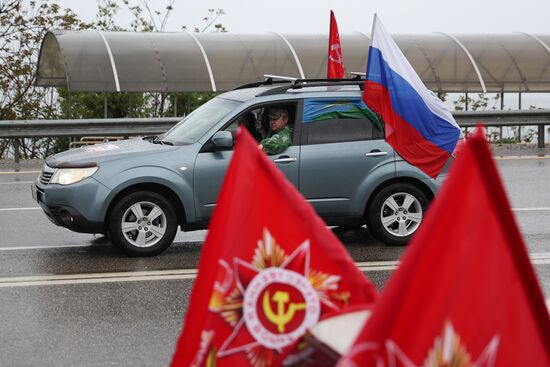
278,142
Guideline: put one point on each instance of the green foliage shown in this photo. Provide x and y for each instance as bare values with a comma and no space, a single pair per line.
22,28
83,105
481,103
187,102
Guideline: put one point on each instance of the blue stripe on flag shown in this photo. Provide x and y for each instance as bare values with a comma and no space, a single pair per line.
408,104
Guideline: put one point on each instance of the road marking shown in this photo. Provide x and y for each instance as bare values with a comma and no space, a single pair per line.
544,208
18,172
22,248
15,209
16,182
177,274
521,157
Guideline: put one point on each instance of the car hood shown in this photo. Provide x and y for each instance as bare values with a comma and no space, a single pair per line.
94,154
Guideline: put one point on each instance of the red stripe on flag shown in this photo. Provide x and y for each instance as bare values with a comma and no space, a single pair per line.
403,137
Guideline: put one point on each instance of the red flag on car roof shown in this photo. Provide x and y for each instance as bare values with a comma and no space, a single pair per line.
335,65
269,270
465,293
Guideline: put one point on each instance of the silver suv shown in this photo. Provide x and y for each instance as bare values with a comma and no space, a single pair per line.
139,191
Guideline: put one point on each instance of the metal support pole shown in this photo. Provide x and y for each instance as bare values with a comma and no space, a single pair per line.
71,139
104,105
466,105
16,153
70,105
541,136
501,108
130,105
175,104
519,108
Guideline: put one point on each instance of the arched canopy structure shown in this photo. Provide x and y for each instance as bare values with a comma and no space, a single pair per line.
98,61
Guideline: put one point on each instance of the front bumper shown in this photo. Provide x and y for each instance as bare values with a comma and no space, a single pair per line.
79,207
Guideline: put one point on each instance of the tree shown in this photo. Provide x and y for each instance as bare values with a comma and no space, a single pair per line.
23,26
22,29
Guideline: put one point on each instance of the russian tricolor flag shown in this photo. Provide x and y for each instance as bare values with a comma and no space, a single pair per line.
417,123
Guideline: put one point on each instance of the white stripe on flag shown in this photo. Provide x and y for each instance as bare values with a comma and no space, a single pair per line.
397,61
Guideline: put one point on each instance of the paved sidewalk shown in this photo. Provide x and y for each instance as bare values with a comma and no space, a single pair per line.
505,150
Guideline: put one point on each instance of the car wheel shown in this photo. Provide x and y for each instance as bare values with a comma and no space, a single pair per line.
396,213
143,223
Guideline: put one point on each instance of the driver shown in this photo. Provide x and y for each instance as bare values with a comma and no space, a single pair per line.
280,134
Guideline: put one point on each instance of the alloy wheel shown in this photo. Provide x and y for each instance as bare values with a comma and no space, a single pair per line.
143,224
401,214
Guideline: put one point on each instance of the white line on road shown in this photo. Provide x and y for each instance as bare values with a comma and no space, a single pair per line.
16,182
541,209
176,274
15,209
23,248
520,157
18,172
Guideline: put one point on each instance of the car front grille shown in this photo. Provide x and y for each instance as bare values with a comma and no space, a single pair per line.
46,175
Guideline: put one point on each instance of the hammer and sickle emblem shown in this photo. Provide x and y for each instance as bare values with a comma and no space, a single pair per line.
281,318
337,52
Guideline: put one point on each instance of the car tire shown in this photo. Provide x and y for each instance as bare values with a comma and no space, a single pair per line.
396,213
143,223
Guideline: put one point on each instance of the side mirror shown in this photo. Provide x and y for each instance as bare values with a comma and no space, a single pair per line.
222,140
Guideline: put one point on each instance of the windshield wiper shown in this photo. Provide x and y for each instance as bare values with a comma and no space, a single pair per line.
157,140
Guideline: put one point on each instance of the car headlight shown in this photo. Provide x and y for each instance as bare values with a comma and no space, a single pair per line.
67,176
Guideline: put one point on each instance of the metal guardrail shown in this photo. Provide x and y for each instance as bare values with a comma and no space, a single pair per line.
539,118
11,129
90,127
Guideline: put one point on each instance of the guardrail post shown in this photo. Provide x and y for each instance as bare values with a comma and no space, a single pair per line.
541,136
16,153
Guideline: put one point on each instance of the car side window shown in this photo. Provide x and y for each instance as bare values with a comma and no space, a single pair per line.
256,119
248,120
332,120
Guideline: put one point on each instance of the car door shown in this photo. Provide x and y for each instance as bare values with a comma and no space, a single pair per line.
341,143
211,166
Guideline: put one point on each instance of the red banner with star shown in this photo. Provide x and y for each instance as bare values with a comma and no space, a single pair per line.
465,293
269,269
335,64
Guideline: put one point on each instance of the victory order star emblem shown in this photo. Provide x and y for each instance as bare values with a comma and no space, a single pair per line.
271,301
448,350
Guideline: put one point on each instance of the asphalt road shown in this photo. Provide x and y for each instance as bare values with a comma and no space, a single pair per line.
71,299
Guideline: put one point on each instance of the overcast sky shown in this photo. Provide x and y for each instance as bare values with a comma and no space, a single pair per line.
312,16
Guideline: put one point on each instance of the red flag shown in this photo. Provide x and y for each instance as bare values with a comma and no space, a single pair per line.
335,65
269,270
465,293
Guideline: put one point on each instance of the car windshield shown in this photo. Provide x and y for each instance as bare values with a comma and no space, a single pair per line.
197,123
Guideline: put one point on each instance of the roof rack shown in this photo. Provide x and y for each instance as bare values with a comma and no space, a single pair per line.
308,83
269,80
293,83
